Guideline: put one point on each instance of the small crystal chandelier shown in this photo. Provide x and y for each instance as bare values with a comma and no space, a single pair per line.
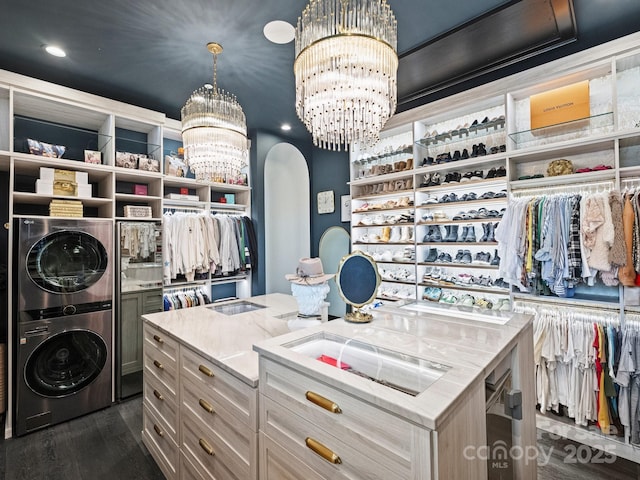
345,68
214,131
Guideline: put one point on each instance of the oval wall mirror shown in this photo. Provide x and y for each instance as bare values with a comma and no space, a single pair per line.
358,281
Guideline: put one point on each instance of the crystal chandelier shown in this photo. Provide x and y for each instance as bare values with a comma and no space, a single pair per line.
214,132
345,68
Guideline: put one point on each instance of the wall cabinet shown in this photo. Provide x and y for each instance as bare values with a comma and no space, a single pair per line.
132,307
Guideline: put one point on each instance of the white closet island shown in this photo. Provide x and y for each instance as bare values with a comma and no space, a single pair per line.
214,408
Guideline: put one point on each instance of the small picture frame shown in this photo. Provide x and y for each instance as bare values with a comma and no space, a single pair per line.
93,156
148,164
126,160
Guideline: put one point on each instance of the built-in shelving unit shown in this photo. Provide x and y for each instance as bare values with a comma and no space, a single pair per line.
79,122
475,134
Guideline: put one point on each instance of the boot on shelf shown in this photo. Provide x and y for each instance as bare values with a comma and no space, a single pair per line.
463,235
395,235
435,234
452,235
386,234
495,261
431,255
485,232
471,234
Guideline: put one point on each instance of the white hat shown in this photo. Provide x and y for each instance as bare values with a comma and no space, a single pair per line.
309,272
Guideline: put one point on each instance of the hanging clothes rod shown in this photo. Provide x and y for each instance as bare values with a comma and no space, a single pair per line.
552,303
174,209
592,187
183,289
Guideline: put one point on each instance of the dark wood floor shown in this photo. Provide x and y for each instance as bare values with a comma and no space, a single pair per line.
106,445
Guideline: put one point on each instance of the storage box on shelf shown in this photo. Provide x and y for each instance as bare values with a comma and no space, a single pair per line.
26,182
599,123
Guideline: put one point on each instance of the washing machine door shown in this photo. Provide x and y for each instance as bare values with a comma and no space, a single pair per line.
66,261
65,363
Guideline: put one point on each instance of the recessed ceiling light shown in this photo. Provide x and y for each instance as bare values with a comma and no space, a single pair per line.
286,127
55,51
279,31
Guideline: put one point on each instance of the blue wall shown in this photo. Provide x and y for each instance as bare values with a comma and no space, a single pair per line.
327,171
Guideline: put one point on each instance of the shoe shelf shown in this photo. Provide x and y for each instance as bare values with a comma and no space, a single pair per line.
385,177
485,183
462,164
469,203
404,244
600,124
475,131
377,208
456,243
458,265
401,282
460,222
468,288
405,224
374,196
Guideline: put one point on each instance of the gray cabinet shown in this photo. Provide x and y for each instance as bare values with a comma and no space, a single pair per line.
132,306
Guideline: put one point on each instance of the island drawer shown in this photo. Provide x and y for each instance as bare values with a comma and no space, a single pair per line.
225,390
188,471
376,431
198,403
154,339
322,451
209,453
159,365
278,463
163,449
163,403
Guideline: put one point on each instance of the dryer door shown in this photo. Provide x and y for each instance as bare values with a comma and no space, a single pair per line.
65,363
66,261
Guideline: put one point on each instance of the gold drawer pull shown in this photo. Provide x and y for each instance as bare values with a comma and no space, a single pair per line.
205,446
158,339
205,370
322,402
323,451
206,405
158,364
158,395
158,430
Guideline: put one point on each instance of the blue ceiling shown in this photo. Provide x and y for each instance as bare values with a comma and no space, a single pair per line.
152,52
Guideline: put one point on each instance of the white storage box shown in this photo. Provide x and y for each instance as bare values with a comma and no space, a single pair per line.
49,175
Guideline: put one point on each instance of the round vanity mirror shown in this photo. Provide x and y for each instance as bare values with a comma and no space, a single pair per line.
358,281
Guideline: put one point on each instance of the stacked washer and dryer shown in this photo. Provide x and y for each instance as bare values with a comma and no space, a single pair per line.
63,320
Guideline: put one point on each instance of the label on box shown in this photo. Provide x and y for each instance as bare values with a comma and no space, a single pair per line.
65,188
561,105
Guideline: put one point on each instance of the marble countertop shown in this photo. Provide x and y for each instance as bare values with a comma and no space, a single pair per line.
227,340
469,347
